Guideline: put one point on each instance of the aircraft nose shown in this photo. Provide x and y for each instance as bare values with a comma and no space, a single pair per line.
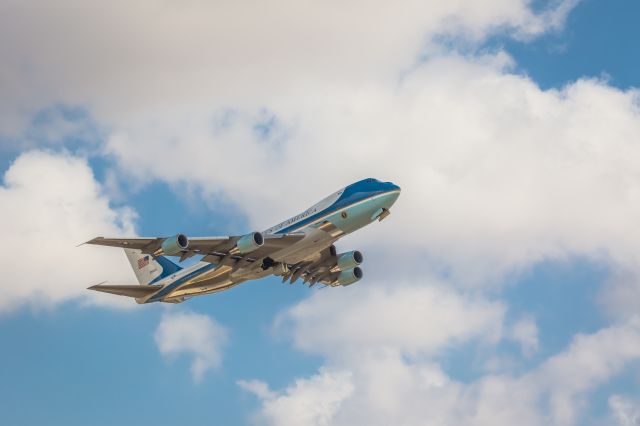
390,186
393,192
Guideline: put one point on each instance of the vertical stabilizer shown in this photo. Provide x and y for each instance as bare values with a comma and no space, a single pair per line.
149,270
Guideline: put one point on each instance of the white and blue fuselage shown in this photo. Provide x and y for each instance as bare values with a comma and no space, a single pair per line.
317,228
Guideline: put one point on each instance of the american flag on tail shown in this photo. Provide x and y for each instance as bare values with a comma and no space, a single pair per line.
143,262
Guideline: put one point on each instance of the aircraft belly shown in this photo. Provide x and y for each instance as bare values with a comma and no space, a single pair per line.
218,283
203,287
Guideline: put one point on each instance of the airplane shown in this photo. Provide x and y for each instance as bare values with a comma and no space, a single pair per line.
301,247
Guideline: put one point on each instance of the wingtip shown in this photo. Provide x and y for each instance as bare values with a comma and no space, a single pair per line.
95,286
91,241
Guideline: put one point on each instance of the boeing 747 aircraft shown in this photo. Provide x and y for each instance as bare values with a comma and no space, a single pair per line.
301,247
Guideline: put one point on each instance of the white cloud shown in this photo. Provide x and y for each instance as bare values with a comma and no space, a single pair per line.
413,319
588,362
51,203
388,388
621,295
193,334
379,343
626,412
256,387
525,332
497,173
113,58
307,402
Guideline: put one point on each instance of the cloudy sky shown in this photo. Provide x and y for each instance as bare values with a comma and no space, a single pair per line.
504,289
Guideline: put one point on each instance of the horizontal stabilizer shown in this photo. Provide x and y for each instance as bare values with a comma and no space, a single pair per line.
127,290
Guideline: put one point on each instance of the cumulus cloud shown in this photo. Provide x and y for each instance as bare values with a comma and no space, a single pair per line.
525,332
51,203
193,334
626,411
253,102
414,319
307,402
388,388
590,361
223,53
497,173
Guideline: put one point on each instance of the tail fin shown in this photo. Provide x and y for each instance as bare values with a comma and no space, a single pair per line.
149,270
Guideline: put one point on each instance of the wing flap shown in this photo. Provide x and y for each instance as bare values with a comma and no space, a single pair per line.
127,290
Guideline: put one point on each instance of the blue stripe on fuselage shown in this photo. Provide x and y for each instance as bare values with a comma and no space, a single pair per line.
172,286
168,268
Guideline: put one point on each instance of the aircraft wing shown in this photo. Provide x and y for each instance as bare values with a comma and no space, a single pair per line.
133,243
213,248
151,245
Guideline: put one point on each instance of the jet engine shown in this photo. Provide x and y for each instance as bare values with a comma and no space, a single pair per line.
350,276
250,242
349,260
172,246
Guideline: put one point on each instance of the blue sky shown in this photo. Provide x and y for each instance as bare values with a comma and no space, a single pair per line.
601,48
71,360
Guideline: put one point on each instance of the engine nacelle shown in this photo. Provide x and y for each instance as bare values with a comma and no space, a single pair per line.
349,276
250,242
172,246
349,260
